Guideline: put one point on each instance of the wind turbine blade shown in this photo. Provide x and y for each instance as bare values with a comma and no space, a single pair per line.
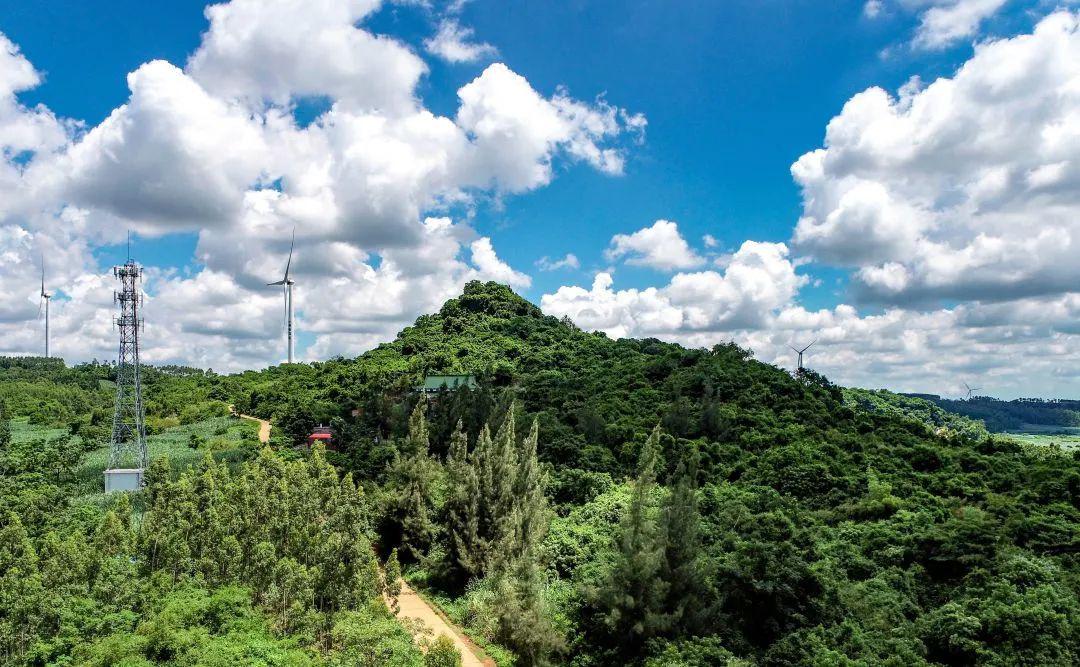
285,296
40,303
291,245
810,345
280,282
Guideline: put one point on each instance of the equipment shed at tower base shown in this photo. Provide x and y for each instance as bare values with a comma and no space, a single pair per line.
123,479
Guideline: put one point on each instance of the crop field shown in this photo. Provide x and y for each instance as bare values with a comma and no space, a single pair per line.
225,437
1066,439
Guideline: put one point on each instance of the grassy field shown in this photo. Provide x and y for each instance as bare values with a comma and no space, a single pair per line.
225,437
1067,441
21,431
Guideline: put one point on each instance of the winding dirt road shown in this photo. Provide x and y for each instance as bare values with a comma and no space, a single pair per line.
415,607
412,606
264,426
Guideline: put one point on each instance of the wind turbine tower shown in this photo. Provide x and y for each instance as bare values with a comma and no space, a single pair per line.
287,284
44,301
801,352
127,447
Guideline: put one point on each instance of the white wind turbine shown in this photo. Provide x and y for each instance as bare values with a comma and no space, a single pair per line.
44,301
801,353
287,284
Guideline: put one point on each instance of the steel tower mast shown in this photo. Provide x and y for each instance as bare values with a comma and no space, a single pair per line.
127,448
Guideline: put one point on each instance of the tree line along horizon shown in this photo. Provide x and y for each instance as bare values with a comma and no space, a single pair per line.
590,502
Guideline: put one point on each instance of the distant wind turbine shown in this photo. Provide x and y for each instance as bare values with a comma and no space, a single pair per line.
44,302
287,284
801,352
970,390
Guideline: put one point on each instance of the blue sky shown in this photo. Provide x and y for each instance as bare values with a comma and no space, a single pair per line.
734,93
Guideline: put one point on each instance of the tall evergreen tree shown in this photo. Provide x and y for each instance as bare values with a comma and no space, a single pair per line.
688,601
500,500
517,566
417,441
462,509
392,572
414,475
633,593
525,617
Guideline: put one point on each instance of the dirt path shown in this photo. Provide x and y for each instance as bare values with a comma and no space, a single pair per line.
414,607
264,426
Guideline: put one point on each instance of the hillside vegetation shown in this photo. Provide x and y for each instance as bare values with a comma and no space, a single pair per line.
1015,415
592,502
940,420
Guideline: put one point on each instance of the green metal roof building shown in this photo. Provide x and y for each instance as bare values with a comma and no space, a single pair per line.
436,383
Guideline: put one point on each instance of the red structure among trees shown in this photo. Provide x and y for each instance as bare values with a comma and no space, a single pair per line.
321,434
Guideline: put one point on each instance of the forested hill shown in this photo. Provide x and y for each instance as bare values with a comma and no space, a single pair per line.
940,420
593,395
1001,416
826,531
603,502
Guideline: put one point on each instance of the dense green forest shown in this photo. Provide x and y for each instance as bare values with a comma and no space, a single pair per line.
941,421
592,502
1015,415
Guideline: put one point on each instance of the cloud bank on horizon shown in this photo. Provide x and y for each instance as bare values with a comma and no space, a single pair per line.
953,205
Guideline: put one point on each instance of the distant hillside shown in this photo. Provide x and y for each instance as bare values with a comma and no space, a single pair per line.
919,408
1001,416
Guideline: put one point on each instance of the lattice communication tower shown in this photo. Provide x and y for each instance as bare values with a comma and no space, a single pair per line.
127,448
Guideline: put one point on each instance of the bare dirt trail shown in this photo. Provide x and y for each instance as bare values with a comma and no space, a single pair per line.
414,607
264,426
411,605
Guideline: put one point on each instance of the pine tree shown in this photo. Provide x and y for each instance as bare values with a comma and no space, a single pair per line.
532,513
633,592
497,471
112,537
524,617
687,603
414,474
462,509
417,441
524,614
157,475
392,570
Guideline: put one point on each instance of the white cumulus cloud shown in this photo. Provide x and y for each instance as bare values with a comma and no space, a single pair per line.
966,188
570,261
758,281
371,185
659,246
949,22
454,43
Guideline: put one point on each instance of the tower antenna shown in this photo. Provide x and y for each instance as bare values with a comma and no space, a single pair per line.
127,447
801,352
287,285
